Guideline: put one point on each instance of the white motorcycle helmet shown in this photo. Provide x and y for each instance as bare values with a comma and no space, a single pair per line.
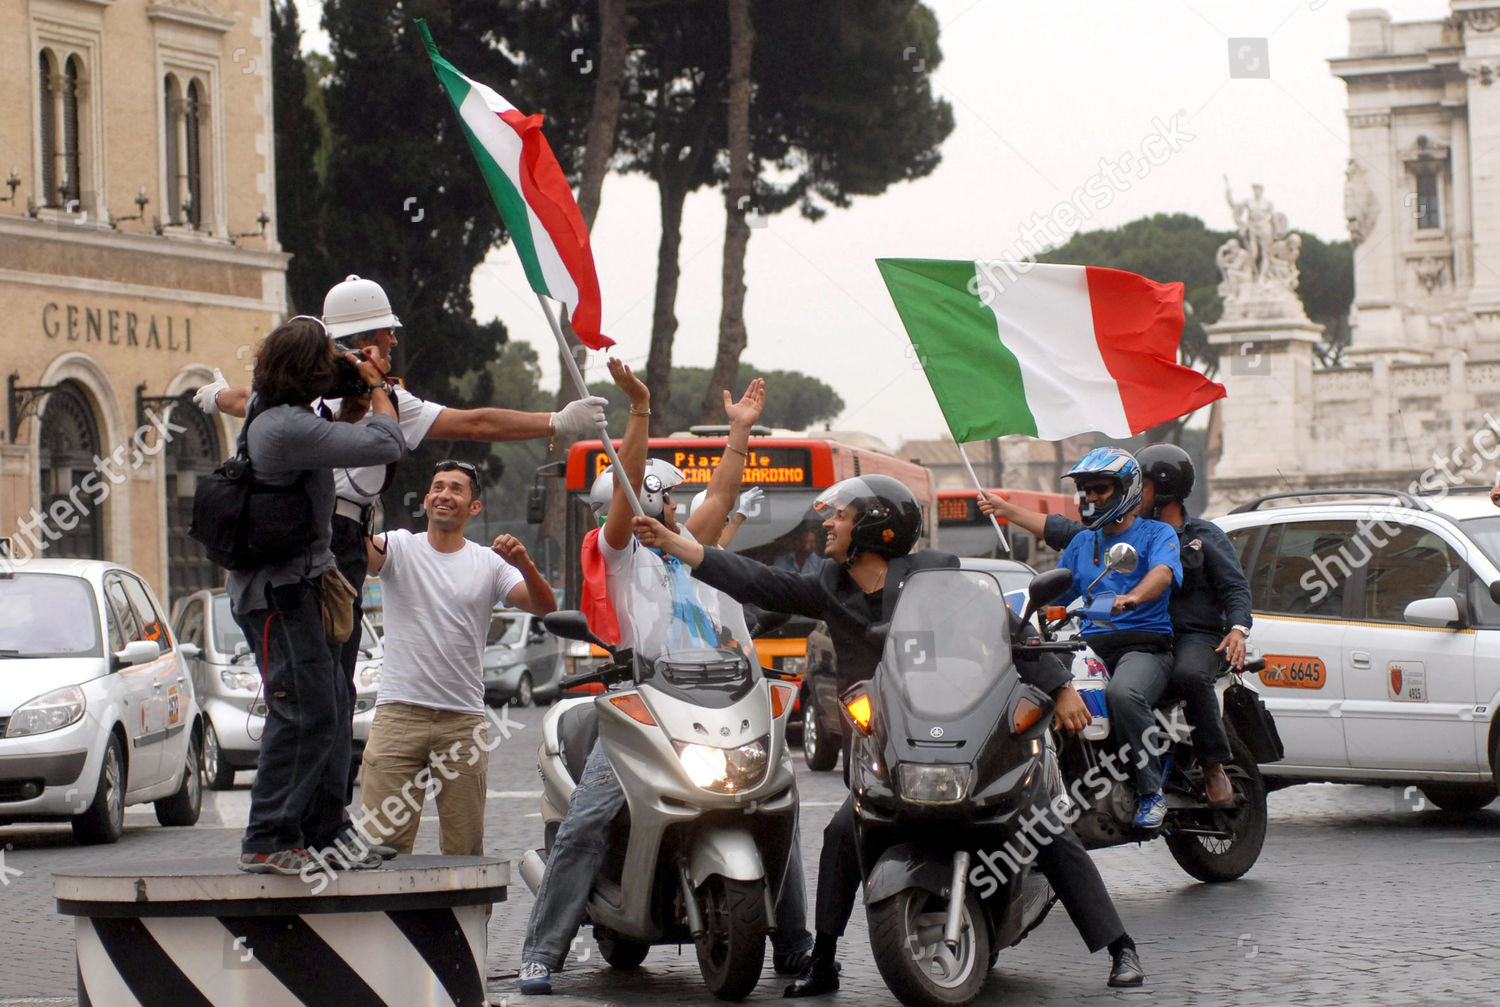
661,477
356,306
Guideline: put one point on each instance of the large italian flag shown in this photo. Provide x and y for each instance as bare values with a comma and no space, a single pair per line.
1046,350
532,194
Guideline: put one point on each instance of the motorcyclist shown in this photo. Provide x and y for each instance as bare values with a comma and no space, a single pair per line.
1136,643
656,604
872,524
1210,612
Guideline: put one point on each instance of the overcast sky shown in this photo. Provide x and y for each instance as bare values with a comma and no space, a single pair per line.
1041,92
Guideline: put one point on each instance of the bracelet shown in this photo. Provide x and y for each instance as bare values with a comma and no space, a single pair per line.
740,451
639,412
378,384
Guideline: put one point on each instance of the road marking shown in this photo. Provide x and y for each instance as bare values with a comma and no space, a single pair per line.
522,795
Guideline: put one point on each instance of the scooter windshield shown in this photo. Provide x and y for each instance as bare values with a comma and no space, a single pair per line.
664,612
949,642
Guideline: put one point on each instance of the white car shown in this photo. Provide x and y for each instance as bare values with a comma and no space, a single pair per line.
229,688
97,708
1378,614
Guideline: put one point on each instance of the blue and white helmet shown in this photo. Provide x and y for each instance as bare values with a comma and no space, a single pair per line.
659,480
1107,463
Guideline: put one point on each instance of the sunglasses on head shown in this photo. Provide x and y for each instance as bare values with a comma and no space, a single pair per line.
452,463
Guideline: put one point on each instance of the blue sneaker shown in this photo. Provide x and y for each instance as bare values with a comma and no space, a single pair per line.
1150,812
535,979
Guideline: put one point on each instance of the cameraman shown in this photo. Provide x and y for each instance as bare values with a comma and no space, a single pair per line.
297,800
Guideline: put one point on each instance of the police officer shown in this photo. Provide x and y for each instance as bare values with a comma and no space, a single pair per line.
872,524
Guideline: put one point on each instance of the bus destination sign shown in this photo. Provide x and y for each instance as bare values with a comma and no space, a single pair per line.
959,510
767,466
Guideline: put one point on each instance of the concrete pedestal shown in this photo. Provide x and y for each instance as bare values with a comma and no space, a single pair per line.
200,933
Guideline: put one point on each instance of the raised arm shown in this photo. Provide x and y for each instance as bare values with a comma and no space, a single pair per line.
632,452
581,416
533,594
1022,517
724,486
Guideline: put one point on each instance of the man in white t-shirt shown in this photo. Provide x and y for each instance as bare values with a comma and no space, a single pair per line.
430,724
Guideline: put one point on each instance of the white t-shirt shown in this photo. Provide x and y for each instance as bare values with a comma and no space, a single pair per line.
437,610
661,608
362,486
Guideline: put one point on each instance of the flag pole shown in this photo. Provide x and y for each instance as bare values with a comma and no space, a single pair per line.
980,487
583,393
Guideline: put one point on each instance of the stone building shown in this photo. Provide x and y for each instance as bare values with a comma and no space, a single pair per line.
137,252
1422,201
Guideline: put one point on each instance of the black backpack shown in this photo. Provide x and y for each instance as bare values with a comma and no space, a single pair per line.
244,524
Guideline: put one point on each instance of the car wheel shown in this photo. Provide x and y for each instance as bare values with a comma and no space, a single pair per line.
217,773
819,749
1459,796
105,818
182,808
523,696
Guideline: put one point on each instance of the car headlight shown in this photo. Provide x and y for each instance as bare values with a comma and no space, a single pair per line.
934,784
793,665
50,711
369,676
726,770
240,678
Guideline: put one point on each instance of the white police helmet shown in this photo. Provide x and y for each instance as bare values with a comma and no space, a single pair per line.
661,477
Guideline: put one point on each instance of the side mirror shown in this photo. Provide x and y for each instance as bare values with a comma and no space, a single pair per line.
572,625
1121,557
191,651
138,652
1495,592
1440,613
1048,587
241,649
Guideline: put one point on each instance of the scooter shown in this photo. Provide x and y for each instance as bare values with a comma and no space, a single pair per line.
697,739
949,753
1210,843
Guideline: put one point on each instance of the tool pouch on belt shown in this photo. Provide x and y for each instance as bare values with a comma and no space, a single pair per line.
336,599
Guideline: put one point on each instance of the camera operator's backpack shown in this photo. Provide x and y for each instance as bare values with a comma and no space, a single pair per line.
244,524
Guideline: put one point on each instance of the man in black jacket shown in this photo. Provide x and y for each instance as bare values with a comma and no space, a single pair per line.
872,524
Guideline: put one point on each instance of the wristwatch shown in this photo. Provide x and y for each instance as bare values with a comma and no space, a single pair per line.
1244,630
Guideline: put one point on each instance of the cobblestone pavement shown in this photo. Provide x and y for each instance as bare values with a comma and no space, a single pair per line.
1357,898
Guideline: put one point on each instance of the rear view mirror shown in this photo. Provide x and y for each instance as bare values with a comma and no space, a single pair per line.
138,652
1440,613
1122,557
1045,589
191,651
536,504
572,625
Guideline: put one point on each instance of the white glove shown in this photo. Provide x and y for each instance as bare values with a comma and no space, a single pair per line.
750,502
579,417
207,396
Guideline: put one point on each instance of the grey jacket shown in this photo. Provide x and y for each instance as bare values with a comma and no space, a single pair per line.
285,442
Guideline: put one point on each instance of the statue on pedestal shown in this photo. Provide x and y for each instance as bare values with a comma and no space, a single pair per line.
1259,268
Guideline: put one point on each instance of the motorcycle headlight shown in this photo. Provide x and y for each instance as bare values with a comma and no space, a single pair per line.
240,678
50,711
369,676
934,784
726,770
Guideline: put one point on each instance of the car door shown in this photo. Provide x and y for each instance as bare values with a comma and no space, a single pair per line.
1299,592
1409,691
192,627
171,686
142,714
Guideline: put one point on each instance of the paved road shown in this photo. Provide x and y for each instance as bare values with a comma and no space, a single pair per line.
1358,897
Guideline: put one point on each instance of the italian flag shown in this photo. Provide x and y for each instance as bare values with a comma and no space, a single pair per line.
532,195
1046,350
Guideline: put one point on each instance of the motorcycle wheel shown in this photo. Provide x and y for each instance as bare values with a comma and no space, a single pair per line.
732,951
1210,859
906,936
621,952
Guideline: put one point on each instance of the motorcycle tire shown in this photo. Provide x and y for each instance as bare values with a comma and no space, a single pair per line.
732,951
1213,860
621,952
906,937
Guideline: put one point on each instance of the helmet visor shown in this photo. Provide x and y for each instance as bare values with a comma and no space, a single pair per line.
841,494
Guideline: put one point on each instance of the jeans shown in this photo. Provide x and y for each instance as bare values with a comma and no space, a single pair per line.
578,853
302,775
1195,669
1136,686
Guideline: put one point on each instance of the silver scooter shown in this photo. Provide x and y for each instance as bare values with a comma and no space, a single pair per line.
697,739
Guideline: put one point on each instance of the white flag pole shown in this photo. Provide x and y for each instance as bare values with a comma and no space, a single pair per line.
583,393
980,487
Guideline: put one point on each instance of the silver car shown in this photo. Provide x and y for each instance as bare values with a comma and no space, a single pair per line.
229,686
522,661
97,708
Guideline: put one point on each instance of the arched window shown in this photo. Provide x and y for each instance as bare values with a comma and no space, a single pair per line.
71,187
69,445
191,455
173,148
48,92
193,112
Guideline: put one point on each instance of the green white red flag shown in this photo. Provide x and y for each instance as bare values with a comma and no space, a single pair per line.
1045,349
532,194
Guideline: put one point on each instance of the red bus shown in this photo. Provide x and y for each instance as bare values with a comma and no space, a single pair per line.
964,531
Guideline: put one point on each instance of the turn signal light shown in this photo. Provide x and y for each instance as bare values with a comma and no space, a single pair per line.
635,708
782,696
1024,715
1053,613
859,709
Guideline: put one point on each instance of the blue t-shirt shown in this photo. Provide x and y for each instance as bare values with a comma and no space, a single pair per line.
1157,544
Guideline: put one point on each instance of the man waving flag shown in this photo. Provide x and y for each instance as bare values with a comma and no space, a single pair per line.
1047,350
532,194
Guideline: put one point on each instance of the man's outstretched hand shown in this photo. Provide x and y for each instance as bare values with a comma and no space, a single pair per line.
746,411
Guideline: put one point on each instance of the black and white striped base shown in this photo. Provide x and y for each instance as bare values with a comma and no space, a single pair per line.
409,935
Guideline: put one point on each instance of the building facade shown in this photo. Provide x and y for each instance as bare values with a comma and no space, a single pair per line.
1416,396
137,252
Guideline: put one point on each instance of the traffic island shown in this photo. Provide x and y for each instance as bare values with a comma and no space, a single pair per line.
199,933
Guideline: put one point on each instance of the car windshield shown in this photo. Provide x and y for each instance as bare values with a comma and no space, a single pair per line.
505,629
227,635
1485,533
48,615
949,641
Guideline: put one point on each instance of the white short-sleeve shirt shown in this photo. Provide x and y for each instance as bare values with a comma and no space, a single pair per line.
416,417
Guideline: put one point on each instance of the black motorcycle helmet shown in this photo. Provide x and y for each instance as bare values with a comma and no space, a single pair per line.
889,521
1170,470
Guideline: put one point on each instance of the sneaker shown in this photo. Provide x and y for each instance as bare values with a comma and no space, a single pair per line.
292,861
384,852
1150,812
340,858
535,978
